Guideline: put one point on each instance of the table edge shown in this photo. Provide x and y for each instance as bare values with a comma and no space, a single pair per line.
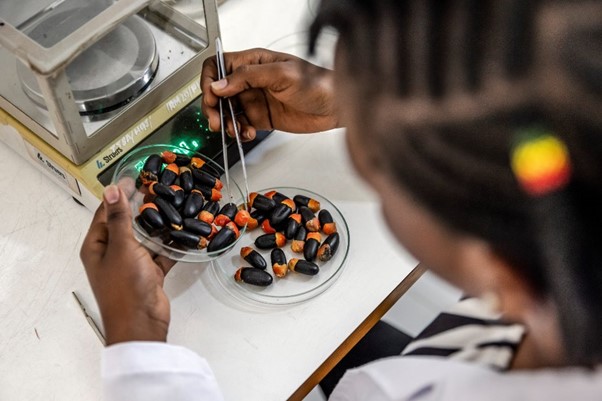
358,334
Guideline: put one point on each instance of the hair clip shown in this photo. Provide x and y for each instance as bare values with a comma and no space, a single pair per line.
540,161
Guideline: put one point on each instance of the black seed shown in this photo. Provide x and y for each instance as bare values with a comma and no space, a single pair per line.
291,229
198,227
222,239
203,178
305,267
263,203
182,160
301,234
193,204
256,260
258,215
254,276
168,177
163,191
278,197
325,217
280,214
153,218
310,249
179,199
186,239
309,219
306,214
186,181
153,165
212,207
266,241
301,200
299,240
150,230
207,168
169,212
229,210
207,192
329,247
277,256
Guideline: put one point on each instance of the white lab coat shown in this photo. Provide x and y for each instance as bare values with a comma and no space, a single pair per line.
150,371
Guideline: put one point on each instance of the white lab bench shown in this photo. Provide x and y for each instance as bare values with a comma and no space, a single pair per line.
48,350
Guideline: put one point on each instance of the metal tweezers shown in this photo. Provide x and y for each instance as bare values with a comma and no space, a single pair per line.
89,319
221,72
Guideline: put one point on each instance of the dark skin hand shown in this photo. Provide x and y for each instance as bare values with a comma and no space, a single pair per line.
273,91
126,279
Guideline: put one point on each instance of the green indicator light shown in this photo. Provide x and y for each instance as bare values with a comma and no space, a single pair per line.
181,151
187,146
138,166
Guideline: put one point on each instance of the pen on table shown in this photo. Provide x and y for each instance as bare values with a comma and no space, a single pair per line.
91,321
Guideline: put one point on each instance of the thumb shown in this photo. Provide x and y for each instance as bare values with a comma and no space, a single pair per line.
119,216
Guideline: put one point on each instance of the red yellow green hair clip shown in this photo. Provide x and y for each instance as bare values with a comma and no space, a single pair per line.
540,161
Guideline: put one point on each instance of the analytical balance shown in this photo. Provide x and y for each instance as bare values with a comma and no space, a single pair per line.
86,81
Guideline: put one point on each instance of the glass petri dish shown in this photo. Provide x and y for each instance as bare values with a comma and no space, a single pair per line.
125,176
294,287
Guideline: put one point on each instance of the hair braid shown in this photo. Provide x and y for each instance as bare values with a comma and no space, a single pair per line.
443,85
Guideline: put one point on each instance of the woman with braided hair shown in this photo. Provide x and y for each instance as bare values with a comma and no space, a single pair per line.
478,124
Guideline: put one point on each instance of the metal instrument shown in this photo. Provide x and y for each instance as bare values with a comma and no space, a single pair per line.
89,319
221,69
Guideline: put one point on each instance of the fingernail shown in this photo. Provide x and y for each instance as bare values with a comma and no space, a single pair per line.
211,127
111,194
221,84
246,135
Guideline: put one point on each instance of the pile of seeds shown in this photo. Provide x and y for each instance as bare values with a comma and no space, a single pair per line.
181,204
284,219
182,207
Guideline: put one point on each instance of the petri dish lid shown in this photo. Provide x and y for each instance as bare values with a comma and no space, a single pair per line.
294,287
107,75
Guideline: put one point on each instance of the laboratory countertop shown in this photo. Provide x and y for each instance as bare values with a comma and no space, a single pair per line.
258,352
48,350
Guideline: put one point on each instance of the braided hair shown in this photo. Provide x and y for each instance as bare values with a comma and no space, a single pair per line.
443,87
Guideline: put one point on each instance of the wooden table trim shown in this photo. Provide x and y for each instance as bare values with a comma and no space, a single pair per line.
357,334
